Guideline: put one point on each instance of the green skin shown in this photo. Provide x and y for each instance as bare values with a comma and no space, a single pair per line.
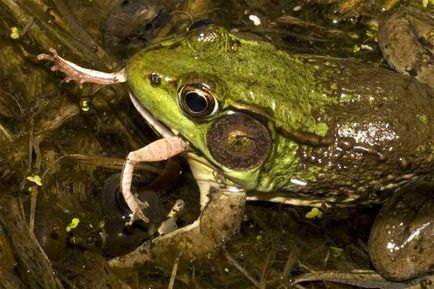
342,132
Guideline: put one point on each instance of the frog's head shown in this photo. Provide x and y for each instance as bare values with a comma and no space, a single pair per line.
191,85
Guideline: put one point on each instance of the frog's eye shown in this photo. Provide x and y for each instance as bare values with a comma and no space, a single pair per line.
196,101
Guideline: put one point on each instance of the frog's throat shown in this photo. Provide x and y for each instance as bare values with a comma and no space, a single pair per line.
153,122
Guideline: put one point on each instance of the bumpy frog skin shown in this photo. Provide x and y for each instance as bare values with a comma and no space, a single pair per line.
407,43
341,131
300,130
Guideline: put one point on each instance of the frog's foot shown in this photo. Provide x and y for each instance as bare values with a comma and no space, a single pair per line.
219,221
81,74
169,225
363,279
401,243
158,150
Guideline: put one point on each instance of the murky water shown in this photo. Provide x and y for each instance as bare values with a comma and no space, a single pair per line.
62,146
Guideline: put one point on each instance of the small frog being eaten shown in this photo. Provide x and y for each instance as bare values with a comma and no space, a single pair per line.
258,123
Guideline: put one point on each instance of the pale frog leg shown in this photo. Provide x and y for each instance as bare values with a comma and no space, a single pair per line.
204,175
219,221
364,279
222,209
81,74
158,150
169,225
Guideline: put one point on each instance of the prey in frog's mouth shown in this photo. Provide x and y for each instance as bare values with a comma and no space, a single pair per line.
159,150
162,149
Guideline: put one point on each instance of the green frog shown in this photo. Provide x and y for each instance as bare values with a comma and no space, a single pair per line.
258,123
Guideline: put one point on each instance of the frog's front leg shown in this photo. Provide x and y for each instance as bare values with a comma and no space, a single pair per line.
222,209
401,242
219,221
158,150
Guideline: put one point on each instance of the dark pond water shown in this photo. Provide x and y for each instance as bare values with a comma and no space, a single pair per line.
63,145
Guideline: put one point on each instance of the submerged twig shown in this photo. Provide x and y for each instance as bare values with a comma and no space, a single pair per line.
34,265
291,261
360,278
173,274
27,26
6,133
99,161
268,260
33,199
63,34
30,148
237,265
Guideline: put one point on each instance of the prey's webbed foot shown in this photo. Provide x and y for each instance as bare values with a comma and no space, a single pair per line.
80,74
158,150
137,208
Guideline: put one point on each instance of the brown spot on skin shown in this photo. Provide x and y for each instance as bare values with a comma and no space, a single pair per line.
304,137
346,143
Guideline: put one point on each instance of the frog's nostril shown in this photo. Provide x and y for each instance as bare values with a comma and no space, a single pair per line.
155,79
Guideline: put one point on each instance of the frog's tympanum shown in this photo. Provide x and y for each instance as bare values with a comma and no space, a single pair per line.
258,123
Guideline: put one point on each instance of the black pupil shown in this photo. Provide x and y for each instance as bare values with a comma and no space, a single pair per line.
196,102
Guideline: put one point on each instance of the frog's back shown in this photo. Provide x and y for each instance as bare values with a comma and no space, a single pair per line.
378,135
336,127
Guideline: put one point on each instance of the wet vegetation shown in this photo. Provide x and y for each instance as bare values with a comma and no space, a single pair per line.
62,147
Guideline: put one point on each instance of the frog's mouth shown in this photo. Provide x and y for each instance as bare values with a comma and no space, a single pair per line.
201,167
165,132
153,122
